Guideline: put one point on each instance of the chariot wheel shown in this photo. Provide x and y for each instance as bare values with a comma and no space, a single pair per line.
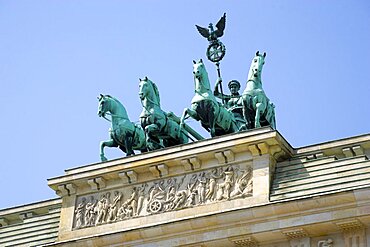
155,206
216,51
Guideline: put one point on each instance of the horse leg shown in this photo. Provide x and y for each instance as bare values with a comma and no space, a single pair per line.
150,131
110,143
246,114
212,123
271,115
260,108
184,116
128,144
234,127
188,112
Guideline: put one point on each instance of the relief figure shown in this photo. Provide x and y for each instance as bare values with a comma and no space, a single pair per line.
243,185
169,202
89,212
113,207
224,189
102,208
141,197
210,193
180,199
122,211
80,213
201,188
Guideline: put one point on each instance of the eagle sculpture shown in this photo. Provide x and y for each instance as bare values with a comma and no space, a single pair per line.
210,33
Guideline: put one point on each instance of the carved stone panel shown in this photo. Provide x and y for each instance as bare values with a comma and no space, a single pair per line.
325,243
159,196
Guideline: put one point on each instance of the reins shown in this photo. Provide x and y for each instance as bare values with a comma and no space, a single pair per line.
112,115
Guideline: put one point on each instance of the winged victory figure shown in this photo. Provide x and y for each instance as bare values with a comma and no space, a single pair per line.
211,34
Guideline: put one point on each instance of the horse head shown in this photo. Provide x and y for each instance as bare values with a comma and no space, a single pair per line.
112,106
256,66
103,107
148,90
199,69
201,77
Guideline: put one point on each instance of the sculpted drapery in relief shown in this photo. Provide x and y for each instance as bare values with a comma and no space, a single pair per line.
190,190
90,212
80,212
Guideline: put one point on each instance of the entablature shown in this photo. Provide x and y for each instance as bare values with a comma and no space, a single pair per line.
168,162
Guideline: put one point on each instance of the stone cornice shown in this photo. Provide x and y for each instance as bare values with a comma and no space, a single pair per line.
188,156
336,146
16,215
30,207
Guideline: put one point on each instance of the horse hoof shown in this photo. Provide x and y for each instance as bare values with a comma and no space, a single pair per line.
103,158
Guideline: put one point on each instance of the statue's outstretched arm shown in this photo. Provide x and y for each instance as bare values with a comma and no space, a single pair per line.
219,95
215,91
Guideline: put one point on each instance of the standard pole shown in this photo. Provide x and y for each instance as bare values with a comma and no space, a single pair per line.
219,77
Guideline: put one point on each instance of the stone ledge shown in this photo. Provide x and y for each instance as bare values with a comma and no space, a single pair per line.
162,162
336,146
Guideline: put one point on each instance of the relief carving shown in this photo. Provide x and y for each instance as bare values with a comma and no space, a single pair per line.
90,212
325,243
80,212
165,195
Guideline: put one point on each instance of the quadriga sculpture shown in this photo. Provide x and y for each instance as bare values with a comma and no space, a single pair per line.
204,107
258,110
161,131
123,133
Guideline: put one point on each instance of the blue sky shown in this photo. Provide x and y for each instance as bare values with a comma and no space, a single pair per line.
56,57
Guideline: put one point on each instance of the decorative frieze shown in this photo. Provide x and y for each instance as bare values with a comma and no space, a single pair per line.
175,193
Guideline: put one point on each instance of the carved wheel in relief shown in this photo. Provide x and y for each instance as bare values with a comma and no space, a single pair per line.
155,206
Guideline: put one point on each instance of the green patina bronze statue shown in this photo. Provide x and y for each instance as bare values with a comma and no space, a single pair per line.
204,107
123,133
161,130
216,50
233,102
257,108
